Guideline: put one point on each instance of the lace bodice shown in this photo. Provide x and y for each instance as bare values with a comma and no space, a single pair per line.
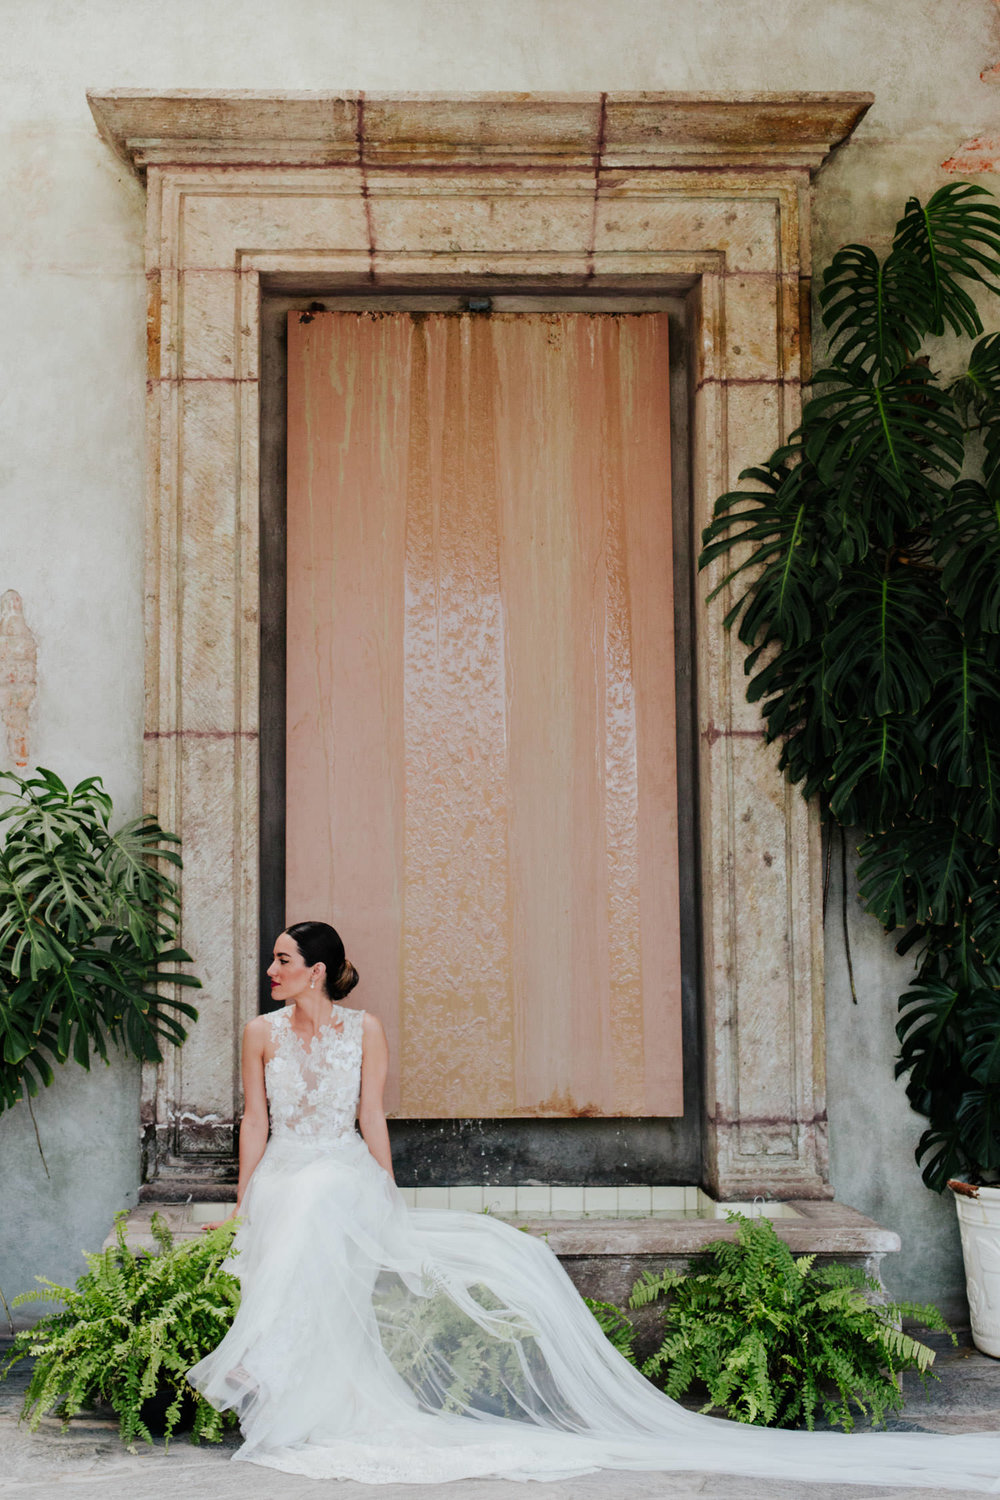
314,1092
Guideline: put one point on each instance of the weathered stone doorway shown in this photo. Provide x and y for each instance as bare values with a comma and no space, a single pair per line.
617,194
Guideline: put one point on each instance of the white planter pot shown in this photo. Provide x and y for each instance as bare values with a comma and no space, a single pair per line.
979,1223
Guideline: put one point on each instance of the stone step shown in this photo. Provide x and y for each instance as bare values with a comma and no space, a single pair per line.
605,1255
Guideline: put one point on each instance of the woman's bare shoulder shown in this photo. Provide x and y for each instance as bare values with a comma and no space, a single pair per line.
258,1031
371,1027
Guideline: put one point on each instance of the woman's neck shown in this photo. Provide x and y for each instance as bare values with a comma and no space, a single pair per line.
313,1011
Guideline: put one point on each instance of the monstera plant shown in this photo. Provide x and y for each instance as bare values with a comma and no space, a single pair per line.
865,562
88,932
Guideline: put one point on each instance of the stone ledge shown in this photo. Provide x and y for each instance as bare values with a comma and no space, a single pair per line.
819,1228
261,128
604,1258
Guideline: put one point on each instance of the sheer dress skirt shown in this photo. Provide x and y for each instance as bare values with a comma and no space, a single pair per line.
386,1344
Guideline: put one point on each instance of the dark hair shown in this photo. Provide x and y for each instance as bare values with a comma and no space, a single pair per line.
319,943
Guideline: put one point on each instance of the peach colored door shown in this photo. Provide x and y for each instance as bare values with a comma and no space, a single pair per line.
481,778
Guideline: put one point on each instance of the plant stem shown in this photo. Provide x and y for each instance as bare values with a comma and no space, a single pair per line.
38,1139
843,916
829,832
6,1308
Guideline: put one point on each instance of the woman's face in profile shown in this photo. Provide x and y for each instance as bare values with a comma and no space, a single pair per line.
288,972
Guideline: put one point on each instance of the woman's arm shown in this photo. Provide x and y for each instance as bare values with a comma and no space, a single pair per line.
254,1127
371,1113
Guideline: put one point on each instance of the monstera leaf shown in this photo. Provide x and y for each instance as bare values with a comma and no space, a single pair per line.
990,423
877,773
872,310
954,237
967,538
977,391
878,660
781,525
983,1035
941,1151
789,686
962,718
978,1119
932,1035
919,871
88,934
883,447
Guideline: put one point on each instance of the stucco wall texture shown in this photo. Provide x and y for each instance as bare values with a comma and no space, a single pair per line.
71,416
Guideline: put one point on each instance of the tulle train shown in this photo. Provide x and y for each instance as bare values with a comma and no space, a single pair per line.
385,1344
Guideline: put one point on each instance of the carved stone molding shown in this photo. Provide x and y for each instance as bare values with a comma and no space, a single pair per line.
18,677
254,127
613,191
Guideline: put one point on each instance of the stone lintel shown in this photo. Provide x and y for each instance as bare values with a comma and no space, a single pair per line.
595,131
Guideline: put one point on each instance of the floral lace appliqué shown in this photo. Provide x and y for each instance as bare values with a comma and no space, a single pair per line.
314,1092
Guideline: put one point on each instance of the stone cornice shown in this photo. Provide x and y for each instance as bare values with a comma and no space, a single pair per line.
604,131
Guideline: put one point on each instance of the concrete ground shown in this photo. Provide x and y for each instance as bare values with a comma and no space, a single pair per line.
88,1462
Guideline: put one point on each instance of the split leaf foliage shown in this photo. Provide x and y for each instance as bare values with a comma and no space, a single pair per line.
132,1327
777,1341
862,560
88,932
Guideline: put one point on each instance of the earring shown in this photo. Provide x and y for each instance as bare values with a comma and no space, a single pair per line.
312,983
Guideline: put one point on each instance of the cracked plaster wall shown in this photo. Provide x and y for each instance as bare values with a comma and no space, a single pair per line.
71,412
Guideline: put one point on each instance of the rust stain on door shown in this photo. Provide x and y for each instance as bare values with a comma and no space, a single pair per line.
481,745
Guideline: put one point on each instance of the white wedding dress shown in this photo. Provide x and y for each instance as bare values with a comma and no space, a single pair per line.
385,1344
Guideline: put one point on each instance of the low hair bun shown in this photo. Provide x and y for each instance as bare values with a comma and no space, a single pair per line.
344,983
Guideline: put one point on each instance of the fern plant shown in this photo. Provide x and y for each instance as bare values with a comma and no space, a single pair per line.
131,1328
441,1353
88,931
616,1327
867,589
777,1340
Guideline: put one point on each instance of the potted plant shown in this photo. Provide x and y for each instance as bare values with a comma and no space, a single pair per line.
868,595
772,1339
88,932
129,1331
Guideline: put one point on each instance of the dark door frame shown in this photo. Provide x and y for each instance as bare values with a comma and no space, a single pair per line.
452,1152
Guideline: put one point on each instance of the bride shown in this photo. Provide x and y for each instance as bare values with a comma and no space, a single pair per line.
379,1343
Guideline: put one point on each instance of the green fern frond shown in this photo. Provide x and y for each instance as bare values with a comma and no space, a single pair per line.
616,1327
134,1324
771,1336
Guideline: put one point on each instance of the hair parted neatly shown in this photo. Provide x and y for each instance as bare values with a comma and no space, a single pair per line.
319,943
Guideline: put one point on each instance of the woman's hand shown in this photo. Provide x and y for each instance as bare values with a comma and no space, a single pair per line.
218,1223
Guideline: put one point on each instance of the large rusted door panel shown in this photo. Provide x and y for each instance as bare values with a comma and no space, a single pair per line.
481,779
